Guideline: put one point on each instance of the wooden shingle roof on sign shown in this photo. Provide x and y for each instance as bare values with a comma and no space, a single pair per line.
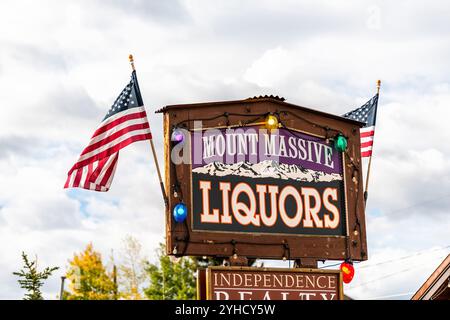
256,99
437,286
267,97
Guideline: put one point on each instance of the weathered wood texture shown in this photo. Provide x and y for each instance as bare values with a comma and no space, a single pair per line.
353,246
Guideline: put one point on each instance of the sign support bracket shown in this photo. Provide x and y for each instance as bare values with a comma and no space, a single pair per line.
305,263
238,261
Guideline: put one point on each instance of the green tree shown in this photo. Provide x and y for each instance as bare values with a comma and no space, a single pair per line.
88,278
32,280
176,278
171,280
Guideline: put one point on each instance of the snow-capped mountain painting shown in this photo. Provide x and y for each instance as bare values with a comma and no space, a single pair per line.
267,168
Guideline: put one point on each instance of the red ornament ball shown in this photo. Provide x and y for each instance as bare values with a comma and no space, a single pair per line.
347,272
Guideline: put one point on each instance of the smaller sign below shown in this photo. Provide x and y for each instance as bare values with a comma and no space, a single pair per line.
249,283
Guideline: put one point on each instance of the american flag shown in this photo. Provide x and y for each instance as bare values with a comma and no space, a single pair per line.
126,122
367,114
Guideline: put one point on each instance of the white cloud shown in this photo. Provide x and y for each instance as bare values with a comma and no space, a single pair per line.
273,66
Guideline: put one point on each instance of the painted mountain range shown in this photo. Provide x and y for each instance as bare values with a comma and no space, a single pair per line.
267,169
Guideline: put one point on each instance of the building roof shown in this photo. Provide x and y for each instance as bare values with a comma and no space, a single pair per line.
437,286
259,99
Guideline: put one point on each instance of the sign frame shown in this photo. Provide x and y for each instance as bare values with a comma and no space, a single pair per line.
342,158
181,239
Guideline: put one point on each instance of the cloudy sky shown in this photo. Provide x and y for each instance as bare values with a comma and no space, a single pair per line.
62,64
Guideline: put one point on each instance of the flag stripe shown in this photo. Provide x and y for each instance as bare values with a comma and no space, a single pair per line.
113,147
366,144
68,181
76,182
365,129
120,114
367,139
98,171
72,178
83,177
106,181
112,143
114,136
117,128
367,134
119,120
106,165
84,174
89,172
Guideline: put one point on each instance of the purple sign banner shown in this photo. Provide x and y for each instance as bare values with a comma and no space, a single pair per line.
259,147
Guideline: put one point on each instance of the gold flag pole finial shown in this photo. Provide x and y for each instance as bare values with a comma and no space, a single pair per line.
130,57
378,85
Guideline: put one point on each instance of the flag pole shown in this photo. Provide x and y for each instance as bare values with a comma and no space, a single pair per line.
366,190
166,202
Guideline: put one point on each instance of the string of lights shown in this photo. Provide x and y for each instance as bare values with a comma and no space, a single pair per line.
286,249
396,295
404,257
391,274
330,265
260,116
365,266
223,115
325,128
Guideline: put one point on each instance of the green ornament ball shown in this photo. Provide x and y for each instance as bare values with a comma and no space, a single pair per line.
340,143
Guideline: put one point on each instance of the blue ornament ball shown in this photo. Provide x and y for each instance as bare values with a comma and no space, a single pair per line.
180,212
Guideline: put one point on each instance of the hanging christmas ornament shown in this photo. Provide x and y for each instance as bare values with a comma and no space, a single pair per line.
340,143
180,212
177,135
347,272
271,122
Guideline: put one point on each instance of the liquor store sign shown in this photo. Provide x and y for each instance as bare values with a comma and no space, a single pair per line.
251,180
246,283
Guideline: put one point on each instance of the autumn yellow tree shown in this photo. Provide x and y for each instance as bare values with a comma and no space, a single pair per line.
88,278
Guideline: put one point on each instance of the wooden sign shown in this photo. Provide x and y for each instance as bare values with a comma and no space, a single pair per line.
246,283
259,192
